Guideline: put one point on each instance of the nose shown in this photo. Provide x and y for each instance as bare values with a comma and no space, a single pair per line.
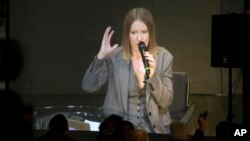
139,37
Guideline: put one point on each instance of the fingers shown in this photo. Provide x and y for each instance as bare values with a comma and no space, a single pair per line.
151,62
107,36
106,32
106,47
115,46
110,34
150,59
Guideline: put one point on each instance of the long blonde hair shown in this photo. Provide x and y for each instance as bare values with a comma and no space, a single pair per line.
145,16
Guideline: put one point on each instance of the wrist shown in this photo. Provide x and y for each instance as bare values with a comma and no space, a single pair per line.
100,56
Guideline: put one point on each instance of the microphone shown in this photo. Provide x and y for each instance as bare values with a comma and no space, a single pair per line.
142,49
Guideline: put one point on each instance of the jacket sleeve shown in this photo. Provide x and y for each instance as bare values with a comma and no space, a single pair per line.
161,84
95,76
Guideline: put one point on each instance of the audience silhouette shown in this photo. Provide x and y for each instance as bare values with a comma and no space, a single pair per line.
15,123
108,128
114,128
16,117
58,130
180,131
137,135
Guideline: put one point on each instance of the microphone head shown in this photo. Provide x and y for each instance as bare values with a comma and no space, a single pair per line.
141,43
142,46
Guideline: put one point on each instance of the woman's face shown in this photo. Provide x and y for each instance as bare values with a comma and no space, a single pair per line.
138,32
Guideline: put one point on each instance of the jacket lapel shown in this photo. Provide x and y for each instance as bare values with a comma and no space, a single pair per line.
124,69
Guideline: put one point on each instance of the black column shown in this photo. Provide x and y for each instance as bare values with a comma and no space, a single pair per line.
246,72
246,96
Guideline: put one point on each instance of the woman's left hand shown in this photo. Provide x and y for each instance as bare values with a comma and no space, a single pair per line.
151,62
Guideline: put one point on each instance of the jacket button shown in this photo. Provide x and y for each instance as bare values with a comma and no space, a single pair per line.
149,113
153,126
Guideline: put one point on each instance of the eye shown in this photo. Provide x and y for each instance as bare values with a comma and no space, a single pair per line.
132,32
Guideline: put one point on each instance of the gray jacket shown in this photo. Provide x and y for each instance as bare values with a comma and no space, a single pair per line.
115,70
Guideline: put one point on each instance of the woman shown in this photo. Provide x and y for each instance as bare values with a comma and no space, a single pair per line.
142,101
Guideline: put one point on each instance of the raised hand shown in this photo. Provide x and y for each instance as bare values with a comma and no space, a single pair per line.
202,121
106,48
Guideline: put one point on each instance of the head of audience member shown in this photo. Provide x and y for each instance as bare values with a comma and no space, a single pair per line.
110,124
137,135
58,127
108,128
126,126
58,124
179,132
123,129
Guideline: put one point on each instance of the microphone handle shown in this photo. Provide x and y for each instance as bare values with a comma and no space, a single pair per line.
146,65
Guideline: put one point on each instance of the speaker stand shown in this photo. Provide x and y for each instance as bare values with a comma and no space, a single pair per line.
230,115
246,96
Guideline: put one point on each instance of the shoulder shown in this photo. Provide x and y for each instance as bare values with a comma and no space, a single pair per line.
163,52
